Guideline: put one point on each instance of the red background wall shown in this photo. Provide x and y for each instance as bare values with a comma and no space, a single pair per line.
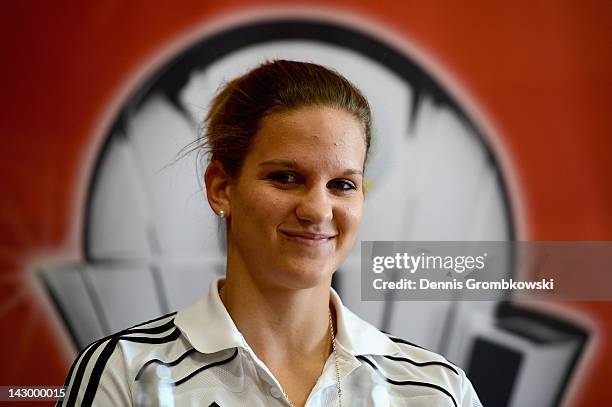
539,70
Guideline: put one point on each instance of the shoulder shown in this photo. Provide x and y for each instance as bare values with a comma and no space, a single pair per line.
413,366
111,363
422,360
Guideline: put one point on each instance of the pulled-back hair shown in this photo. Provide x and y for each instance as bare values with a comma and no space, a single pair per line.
274,87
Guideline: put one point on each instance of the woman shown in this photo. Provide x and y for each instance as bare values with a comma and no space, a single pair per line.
288,143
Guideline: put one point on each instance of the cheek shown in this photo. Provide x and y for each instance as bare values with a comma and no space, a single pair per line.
350,218
263,206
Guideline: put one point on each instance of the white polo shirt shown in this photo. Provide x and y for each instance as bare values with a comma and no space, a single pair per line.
197,357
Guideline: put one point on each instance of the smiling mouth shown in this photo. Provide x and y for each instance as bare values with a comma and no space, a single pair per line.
309,239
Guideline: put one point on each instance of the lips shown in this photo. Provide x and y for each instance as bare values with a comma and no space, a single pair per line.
312,239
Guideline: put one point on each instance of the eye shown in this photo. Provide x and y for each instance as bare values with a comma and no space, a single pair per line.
342,185
283,177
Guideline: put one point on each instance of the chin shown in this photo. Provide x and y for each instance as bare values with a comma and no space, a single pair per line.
305,276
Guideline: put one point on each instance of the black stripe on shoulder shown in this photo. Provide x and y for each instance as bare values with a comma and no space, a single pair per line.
81,360
201,369
81,357
167,364
422,364
88,352
74,364
153,330
400,340
96,373
407,382
405,342
153,340
140,325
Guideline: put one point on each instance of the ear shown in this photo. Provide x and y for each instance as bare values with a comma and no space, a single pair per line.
218,184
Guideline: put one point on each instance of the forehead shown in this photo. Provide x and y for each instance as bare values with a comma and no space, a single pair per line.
311,134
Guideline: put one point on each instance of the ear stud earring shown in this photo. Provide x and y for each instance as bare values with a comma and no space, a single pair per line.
222,214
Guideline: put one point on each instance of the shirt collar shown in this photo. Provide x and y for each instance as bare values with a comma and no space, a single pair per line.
357,336
209,328
207,325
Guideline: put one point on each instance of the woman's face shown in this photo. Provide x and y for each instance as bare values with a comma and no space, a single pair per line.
296,207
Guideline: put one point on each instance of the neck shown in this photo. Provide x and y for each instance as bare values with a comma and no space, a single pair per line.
280,324
290,330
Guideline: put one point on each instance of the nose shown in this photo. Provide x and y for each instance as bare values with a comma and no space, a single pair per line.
315,206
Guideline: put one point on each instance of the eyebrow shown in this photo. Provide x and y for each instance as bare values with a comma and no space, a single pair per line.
294,165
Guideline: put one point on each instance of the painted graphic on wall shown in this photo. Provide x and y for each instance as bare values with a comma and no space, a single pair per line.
152,245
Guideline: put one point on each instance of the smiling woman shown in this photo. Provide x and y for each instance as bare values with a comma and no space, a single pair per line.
288,142
294,210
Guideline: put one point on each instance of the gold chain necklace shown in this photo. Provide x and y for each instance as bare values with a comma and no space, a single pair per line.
333,342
